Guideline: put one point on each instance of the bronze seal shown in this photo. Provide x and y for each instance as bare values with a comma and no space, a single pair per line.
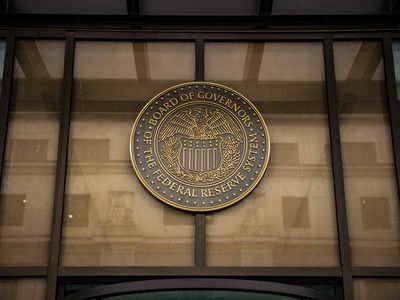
199,146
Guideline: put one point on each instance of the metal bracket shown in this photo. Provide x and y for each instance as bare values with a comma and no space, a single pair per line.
4,5
395,6
265,7
133,7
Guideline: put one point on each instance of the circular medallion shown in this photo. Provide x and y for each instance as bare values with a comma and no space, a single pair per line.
199,146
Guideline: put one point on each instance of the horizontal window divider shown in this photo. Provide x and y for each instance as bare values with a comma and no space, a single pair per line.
269,35
376,271
201,271
38,34
353,36
16,271
191,34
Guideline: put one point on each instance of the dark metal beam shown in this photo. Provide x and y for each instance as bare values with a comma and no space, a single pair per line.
376,271
337,167
200,271
61,168
30,60
316,23
200,240
133,7
265,7
140,55
252,64
23,271
200,220
5,97
393,107
366,62
395,5
4,5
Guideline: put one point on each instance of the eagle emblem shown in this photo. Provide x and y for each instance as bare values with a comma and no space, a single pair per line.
201,124
200,143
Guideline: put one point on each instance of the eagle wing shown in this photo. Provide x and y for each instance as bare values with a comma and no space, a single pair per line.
221,124
183,122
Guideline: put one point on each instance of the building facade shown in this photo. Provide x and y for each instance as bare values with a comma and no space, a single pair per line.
74,218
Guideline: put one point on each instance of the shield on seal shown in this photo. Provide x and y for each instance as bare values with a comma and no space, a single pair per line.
200,155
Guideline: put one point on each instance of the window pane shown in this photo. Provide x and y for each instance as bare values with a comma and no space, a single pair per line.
109,218
377,289
22,289
289,220
396,58
27,187
369,175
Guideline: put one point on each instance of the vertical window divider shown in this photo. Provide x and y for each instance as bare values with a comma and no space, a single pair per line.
337,167
57,221
200,219
5,97
393,104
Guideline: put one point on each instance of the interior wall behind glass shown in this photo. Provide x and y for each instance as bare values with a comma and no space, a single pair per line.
289,219
22,289
109,218
27,187
377,289
368,166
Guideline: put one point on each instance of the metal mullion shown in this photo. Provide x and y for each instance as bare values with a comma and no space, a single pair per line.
42,34
314,272
133,34
23,271
395,35
376,271
224,35
393,104
5,97
195,34
357,35
200,60
60,292
337,167
200,220
55,243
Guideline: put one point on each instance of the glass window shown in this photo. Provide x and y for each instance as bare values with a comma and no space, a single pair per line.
396,58
289,220
27,187
369,175
201,294
109,218
22,289
377,289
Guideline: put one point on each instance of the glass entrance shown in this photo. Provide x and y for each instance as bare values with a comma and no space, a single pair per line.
199,288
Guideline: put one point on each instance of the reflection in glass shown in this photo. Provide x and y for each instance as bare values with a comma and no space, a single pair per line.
396,58
377,289
289,220
2,54
109,218
27,186
370,185
22,289
203,295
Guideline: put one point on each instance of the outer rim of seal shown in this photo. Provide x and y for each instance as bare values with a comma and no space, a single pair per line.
200,209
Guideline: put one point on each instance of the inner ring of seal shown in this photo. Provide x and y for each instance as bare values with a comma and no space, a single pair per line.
195,104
